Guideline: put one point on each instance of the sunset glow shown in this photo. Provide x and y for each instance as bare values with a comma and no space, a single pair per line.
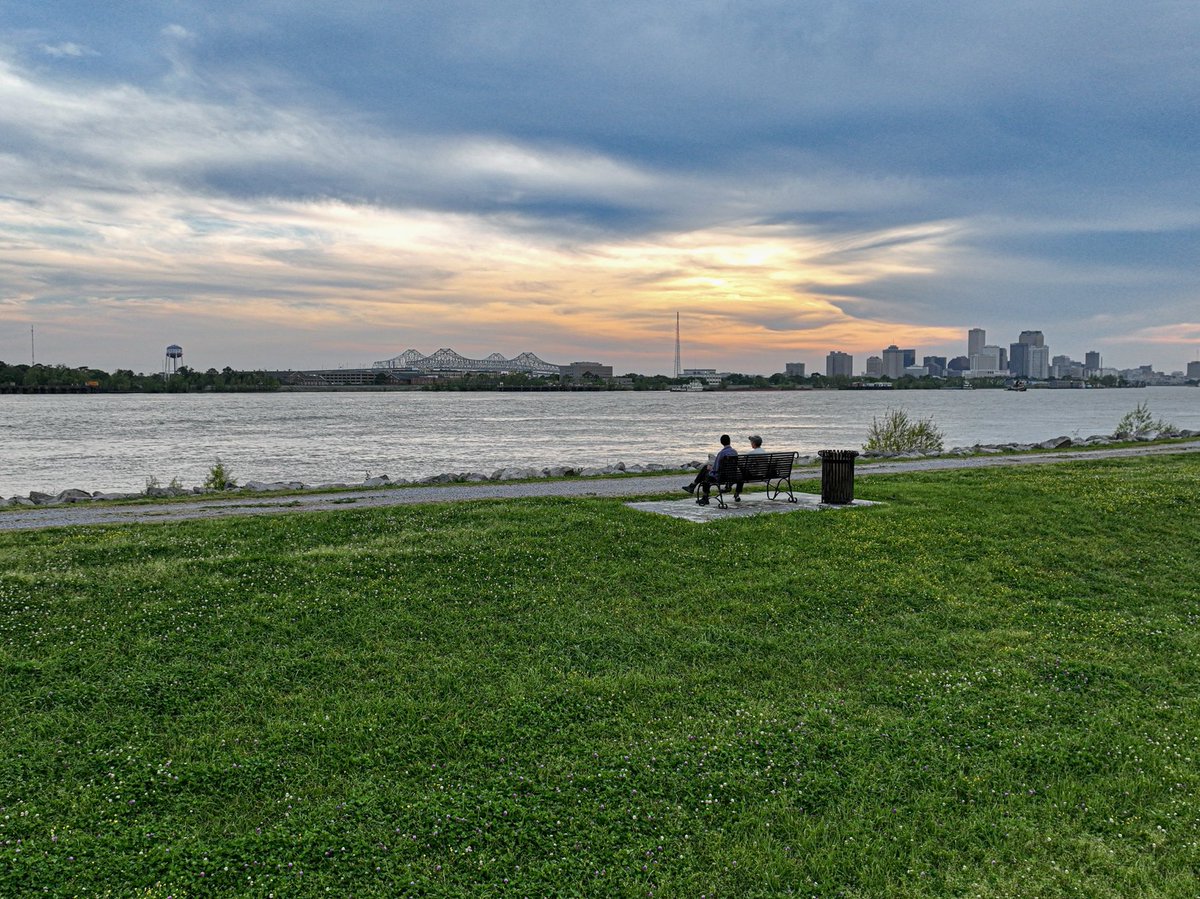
195,180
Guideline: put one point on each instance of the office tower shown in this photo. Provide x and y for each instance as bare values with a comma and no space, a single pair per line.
1023,362
976,338
893,362
838,364
1193,371
910,358
1018,359
874,367
1091,361
989,358
935,365
793,369
1039,362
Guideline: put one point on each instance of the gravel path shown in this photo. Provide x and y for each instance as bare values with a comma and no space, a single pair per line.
83,514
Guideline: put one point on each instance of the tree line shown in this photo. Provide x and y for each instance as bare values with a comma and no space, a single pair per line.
84,378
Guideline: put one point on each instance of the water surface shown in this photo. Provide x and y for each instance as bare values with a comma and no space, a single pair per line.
117,442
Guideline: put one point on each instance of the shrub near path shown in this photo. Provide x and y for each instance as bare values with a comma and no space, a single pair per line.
986,687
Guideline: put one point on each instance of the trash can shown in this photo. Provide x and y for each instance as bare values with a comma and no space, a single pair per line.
837,476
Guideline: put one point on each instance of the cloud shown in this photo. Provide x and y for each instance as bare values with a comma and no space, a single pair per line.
800,179
67,50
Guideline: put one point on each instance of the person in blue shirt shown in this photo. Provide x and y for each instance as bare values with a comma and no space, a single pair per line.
706,476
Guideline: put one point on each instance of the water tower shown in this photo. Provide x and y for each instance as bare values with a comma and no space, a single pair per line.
171,363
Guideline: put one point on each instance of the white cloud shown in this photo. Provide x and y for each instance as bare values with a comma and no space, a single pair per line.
67,49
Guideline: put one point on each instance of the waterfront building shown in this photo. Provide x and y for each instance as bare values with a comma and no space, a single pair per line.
976,338
916,371
1066,368
707,375
893,362
1091,361
577,371
874,367
1193,371
839,364
794,369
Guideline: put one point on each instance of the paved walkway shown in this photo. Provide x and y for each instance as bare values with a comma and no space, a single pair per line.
756,503
82,514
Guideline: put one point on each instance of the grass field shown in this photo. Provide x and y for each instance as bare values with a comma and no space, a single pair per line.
989,686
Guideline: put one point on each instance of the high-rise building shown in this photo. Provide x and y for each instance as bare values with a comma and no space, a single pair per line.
990,358
959,363
893,362
1039,362
874,367
910,358
1193,371
976,338
839,364
1091,361
1018,359
1022,358
793,369
935,365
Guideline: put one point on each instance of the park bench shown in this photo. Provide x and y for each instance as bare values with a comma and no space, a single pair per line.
772,469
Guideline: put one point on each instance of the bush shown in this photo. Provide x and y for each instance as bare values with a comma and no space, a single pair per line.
897,433
1139,423
219,477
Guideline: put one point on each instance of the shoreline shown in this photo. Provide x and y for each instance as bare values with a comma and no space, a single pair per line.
631,487
75,495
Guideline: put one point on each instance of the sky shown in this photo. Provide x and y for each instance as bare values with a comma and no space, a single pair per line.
289,184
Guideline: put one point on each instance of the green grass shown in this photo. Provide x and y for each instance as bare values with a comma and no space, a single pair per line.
985,687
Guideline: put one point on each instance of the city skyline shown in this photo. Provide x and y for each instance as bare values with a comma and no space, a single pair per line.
268,184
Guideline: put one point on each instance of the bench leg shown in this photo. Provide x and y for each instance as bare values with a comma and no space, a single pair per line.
773,490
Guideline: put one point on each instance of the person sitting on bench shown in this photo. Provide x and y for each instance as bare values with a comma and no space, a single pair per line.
706,476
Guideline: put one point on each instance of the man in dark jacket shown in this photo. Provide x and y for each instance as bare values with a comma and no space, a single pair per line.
707,475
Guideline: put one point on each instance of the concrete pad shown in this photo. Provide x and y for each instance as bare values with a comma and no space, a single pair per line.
751,504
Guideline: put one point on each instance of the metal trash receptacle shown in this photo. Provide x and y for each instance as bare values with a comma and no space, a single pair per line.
837,476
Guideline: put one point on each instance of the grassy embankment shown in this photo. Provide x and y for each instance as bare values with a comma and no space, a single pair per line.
988,686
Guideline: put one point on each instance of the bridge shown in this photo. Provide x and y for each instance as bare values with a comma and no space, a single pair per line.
446,360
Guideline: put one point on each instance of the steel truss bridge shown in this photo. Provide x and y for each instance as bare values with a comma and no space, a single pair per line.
446,360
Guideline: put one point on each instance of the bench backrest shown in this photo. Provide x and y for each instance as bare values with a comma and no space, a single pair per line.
756,467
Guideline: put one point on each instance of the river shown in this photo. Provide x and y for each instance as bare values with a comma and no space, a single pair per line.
116,442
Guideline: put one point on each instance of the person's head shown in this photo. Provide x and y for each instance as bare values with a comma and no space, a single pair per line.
755,441
724,440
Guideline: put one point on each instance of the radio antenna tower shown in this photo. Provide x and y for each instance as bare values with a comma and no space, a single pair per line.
678,366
